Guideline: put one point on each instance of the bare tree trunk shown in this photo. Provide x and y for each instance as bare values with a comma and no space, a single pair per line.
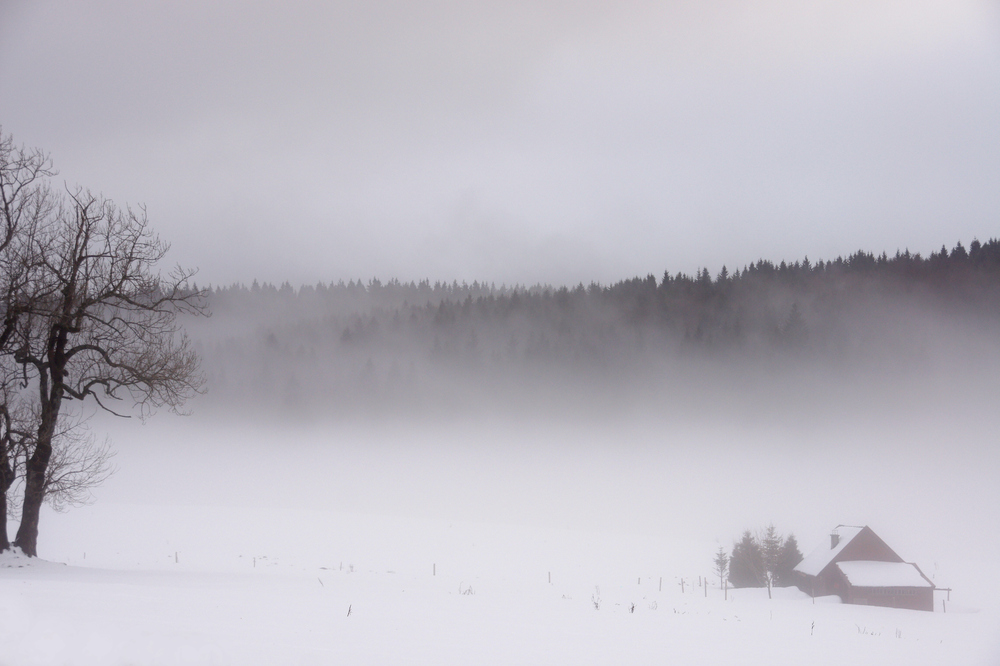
34,494
34,480
6,475
5,480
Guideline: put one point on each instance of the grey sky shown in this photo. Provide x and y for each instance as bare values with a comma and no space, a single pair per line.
517,141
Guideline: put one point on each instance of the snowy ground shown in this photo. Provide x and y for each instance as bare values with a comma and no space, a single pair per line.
442,552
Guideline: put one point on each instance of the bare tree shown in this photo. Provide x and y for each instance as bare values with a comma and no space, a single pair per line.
100,324
25,202
78,463
8,439
24,192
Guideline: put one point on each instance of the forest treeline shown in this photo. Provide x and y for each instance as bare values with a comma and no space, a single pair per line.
338,345
970,273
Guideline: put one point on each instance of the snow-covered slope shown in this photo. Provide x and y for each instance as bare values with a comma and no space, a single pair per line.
486,600
481,544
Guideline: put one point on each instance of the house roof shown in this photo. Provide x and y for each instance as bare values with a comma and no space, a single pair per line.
818,559
865,573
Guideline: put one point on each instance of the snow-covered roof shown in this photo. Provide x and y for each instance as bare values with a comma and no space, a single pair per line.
864,573
818,560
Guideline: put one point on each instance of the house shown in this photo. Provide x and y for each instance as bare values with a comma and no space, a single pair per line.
860,568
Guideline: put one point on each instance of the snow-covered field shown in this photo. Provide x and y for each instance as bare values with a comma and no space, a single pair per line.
459,544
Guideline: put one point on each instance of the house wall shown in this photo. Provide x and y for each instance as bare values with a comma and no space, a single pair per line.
913,598
830,581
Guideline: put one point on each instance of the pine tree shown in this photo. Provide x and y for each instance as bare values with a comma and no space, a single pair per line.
789,557
746,564
721,564
770,543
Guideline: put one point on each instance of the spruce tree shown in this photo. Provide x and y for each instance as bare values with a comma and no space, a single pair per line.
746,565
721,564
789,557
770,543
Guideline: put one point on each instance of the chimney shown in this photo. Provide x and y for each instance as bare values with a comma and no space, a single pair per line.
834,540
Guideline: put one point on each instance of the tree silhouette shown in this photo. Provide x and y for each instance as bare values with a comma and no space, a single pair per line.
98,323
746,564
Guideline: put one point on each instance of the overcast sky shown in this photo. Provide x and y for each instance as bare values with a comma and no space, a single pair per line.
517,141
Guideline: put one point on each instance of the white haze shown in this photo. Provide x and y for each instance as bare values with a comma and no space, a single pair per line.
896,431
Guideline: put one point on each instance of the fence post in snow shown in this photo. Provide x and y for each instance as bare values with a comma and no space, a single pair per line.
661,583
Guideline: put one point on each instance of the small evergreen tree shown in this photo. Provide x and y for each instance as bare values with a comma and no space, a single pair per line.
770,545
787,559
721,564
746,564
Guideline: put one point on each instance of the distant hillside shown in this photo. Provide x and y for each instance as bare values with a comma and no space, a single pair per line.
343,346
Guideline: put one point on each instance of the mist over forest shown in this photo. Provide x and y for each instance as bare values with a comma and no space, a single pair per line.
767,333
810,393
